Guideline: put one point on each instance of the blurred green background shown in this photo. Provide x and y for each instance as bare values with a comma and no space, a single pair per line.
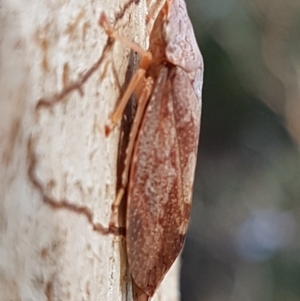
243,242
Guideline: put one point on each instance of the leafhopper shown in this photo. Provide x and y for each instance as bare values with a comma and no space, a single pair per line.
162,150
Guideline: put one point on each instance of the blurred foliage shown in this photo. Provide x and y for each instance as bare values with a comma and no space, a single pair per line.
242,242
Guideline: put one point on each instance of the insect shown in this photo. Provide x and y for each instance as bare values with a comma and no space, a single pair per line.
162,150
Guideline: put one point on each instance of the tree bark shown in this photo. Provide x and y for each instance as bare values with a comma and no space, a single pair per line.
60,79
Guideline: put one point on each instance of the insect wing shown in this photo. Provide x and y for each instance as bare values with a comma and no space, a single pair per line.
161,178
187,114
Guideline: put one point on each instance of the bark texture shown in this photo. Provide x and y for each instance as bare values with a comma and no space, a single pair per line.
60,79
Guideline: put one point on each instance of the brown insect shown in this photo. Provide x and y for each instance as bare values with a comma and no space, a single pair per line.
162,151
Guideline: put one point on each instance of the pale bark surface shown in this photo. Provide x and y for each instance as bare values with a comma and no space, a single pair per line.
58,171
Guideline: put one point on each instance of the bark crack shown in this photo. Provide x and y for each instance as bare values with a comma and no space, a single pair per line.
76,85
64,204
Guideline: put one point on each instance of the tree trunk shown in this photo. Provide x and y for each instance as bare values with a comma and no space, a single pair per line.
60,80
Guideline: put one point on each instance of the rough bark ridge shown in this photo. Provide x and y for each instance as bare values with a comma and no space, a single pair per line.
60,78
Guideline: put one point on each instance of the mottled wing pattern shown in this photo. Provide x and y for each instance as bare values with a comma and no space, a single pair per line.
161,178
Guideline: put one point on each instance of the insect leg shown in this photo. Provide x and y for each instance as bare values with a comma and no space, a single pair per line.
136,80
142,102
146,55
